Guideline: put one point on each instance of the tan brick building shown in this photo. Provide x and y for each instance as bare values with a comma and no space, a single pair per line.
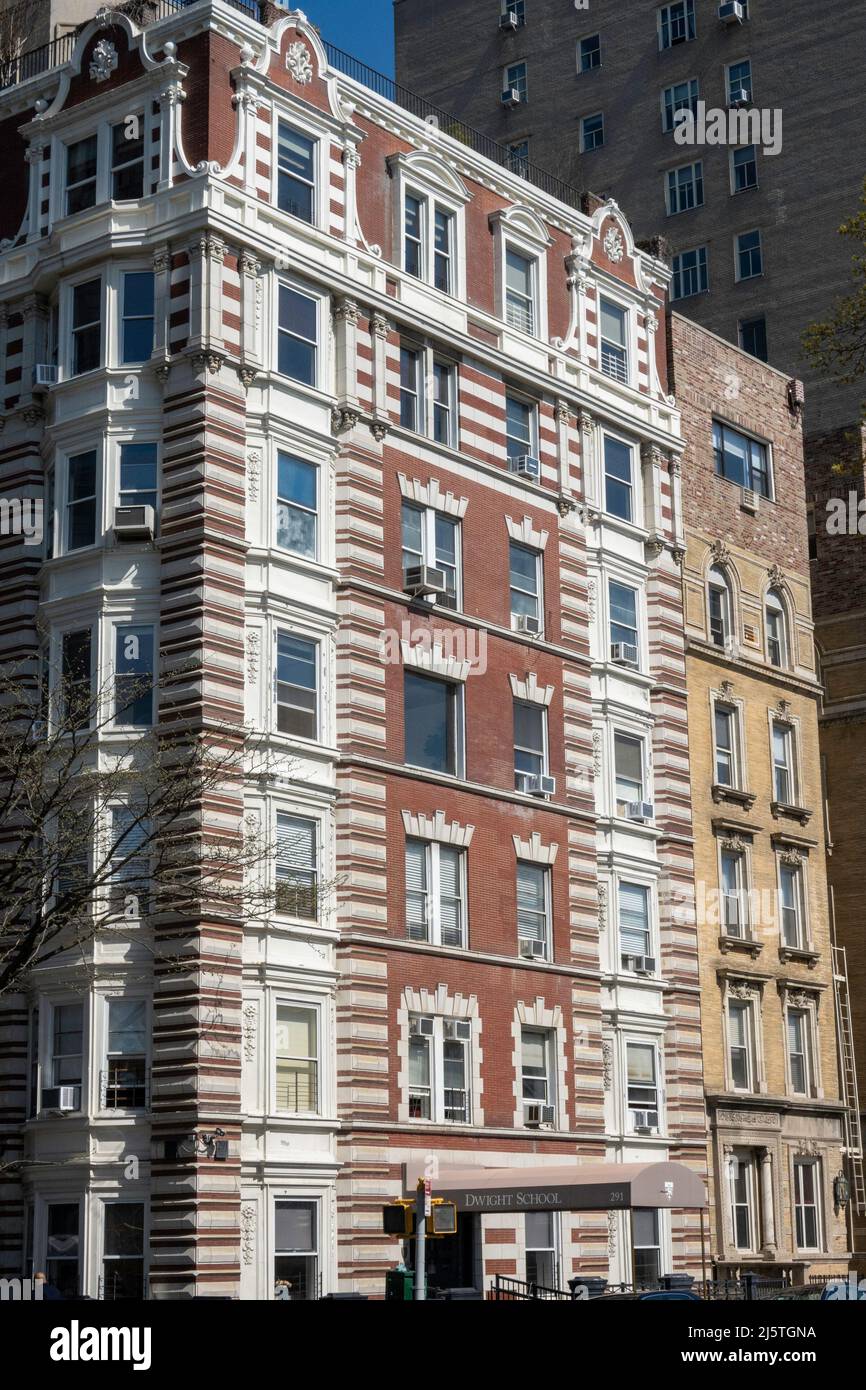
777,1123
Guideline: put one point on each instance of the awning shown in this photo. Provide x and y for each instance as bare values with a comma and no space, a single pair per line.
565,1187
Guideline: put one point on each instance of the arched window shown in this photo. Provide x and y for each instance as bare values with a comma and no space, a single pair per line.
777,635
721,607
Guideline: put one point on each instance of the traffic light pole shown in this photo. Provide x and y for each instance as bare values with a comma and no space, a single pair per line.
421,1242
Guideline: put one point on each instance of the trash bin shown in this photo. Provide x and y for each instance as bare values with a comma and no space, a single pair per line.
594,1284
399,1285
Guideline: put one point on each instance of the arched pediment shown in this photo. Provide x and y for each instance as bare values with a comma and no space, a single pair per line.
523,222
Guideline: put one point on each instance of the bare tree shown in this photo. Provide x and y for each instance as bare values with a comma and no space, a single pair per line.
16,28
99,834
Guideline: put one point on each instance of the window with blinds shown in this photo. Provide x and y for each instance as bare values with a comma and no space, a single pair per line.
434,893
131,836
297,1059
634,925
297,887
533,925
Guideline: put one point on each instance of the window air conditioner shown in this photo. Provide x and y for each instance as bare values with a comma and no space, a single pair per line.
526,466
133,523
421,580
421,1027
644,1121
749,499
523,622
456,1028
539,1116
740,97
531,950
45,375
646,965
61,1098
732,13
511,97
623,654
640,810
509,20
538,785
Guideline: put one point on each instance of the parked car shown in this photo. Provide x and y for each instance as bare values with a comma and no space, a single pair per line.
655,1296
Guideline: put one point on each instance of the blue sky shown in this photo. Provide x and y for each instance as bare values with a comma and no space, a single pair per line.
364,28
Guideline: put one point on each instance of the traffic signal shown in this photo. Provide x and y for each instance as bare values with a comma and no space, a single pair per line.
398,1218
443,1218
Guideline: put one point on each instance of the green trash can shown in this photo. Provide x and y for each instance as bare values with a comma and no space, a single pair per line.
399,1285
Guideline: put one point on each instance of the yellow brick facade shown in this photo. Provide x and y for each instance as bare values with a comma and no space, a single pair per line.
765,1126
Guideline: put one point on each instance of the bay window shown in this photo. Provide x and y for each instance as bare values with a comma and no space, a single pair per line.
63,1247
623,624
123,1251
628,772
127,159
138,475
297,335
81,168
81,500
67,1045
618,489
134,676
137,316
131,842
86,326
76,666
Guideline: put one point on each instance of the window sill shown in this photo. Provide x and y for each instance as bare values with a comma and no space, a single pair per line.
720,793
741,943
803,814
805,955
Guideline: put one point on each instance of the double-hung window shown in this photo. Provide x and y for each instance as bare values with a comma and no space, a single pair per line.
542,1249
439,1069
411,389
520,291
432,538
735,919
784,788
690,274
296,172
81,171
725,725
623,624
807,1203
86,326
443,250
530,743
741,1046
76,668
618,487
676,23
614,341
413,234
592,132
635,941
433,717
536,1074
719,598
127,159
533,910
298,335
134,676
741,459
743,1188
81,500
296,1249
428,242
297,505
125,1077
777,646
524,568
739,82
646,1245
136,342
67,1045
744,168
123,1251
752,334
589,53
628,771
685,187
435,893
297,686
682,96
63,1247
138,475
297,875
750,261
297,1054
444,413
800,1065
793,905
131,845
516,80
642,1082
520,428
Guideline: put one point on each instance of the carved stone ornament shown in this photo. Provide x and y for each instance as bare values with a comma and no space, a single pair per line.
720,552
726,689
343,418
591,599
607,1064
299,63
742,990
250,1009
596,752
103,61
247,376
379,429
254,464
602,911
734,844
792,857
775,575
248,1233
614,244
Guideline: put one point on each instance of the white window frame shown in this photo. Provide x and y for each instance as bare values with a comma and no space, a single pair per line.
646,772
56,687
62,501
436,1053
428,555
742,890
545,748
433,893
752,1012
47,1080
721,585
308,291
578,51
518,230
299,814
133,621
318,1255
317,641
321,138
637,590
282,448
116,297
791,764
84,125
312,1004
636,500
701,270
808,1014
532,446
539,581
665,10
773,601
121,1199
106,1003
728,68
800,1161
550,1056
554,1249
732,170
732,713
694,86
694,165
66,329
629,346
520,84
435,184
739,278
147,173
801,904
41,1255
747,1156
629,1110
634,880
547,939
427,359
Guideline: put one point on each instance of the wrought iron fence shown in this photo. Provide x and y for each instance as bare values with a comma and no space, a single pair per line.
746,1289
